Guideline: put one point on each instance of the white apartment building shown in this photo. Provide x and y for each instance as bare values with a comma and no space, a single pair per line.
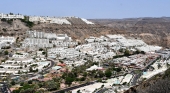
55,20
50,35
33,19
92,48
19,61
2,44
131,42
35,34
20,55
36,42
115,36
14,66
7,39
9,16
64,53
37,19
75,63
92,39
64,44
63,37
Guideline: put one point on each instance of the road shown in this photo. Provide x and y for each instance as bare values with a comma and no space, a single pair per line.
74,87
134,80
51,64
4,88
35,75
101,90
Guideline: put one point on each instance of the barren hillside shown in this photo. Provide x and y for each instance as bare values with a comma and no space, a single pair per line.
77,31
152,30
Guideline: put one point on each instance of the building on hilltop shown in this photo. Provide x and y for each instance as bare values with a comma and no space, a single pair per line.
11,16
56,20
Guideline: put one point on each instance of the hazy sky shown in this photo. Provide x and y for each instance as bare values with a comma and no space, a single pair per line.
88,8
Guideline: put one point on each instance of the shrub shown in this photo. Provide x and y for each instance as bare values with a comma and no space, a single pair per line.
3,20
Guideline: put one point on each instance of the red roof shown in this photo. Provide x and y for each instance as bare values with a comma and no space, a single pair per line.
62,65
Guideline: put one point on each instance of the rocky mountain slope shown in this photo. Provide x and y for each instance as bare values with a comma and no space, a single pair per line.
77,31
155,31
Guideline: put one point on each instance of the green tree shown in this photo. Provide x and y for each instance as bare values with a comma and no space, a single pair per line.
40,91
4,29
99,80
6,52
30,82
3,20
82,79
19,72
84,74
100,74
78,91
121,50
22,83
51,85
29,90
142,52
69,80
27,22
9,21
62,92
12,82
30,69
117,69
137,52
102,86
43,53
11,13
127,53
40,49
108,73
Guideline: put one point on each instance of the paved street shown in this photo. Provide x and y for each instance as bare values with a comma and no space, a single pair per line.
74,87
35,75
134,80
4,88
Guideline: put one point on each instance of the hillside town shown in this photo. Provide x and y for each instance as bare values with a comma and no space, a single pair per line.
48,62
45,19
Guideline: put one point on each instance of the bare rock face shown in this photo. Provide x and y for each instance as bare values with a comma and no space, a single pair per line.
154,31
